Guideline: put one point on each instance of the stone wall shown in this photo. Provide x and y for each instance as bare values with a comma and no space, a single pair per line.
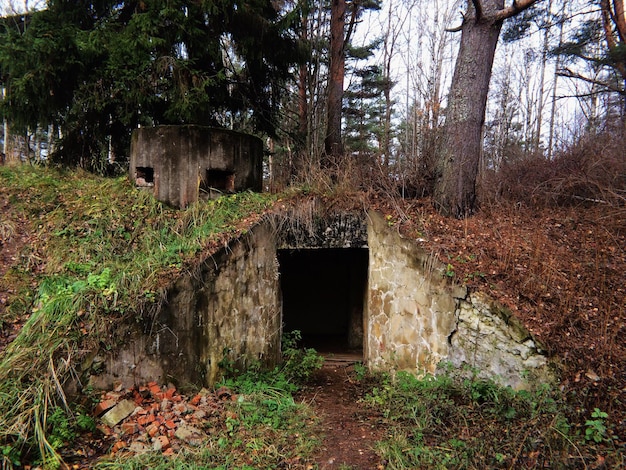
490,342
228,308
418,321
411,307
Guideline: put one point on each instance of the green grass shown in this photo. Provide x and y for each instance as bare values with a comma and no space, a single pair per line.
441,422
101,249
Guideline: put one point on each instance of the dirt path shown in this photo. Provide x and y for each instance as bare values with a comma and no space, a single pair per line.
350,430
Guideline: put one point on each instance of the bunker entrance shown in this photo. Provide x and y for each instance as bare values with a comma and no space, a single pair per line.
323,297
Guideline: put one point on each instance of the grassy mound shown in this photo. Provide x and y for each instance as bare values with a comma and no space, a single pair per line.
101,251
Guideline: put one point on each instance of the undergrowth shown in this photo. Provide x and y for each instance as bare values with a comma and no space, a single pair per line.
262,427
101,251
441,422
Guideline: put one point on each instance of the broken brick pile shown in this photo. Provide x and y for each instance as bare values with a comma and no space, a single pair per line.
153,418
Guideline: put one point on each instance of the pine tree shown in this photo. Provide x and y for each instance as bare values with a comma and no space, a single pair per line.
364,110
98,69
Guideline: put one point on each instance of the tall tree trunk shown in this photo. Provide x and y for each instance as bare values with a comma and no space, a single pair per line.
459,158
455,188
614,23
557,66
333,145
544,61
303,109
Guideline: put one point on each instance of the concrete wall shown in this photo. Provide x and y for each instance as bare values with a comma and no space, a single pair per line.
185,162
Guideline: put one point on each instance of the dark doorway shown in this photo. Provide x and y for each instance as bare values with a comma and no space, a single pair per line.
323,294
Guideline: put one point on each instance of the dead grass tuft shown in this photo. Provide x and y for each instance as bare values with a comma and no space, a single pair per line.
591,171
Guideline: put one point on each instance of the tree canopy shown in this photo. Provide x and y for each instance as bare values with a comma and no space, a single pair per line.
95,70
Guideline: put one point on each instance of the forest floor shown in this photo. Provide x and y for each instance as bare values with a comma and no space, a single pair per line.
561,270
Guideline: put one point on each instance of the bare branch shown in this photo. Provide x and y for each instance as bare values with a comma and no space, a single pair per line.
353,21
458,28
566,72
515,8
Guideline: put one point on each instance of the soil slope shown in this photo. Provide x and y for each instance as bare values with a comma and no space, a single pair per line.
561,270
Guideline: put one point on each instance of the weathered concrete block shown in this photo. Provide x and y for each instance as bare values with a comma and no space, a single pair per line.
118,413
182,164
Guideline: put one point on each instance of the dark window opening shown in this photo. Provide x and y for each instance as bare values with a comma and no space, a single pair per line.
323,297
144,176
221,181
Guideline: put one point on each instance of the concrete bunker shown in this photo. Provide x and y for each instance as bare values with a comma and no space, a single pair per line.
334,278
184,164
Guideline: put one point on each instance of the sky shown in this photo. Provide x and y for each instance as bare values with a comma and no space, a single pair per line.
424,54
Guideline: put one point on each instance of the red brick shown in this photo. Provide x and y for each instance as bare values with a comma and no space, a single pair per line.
180,408
169,393
104,406
195,400
117,446
152,430
138,397
104,429
170,424
113,396
145,420
130,428
168,452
